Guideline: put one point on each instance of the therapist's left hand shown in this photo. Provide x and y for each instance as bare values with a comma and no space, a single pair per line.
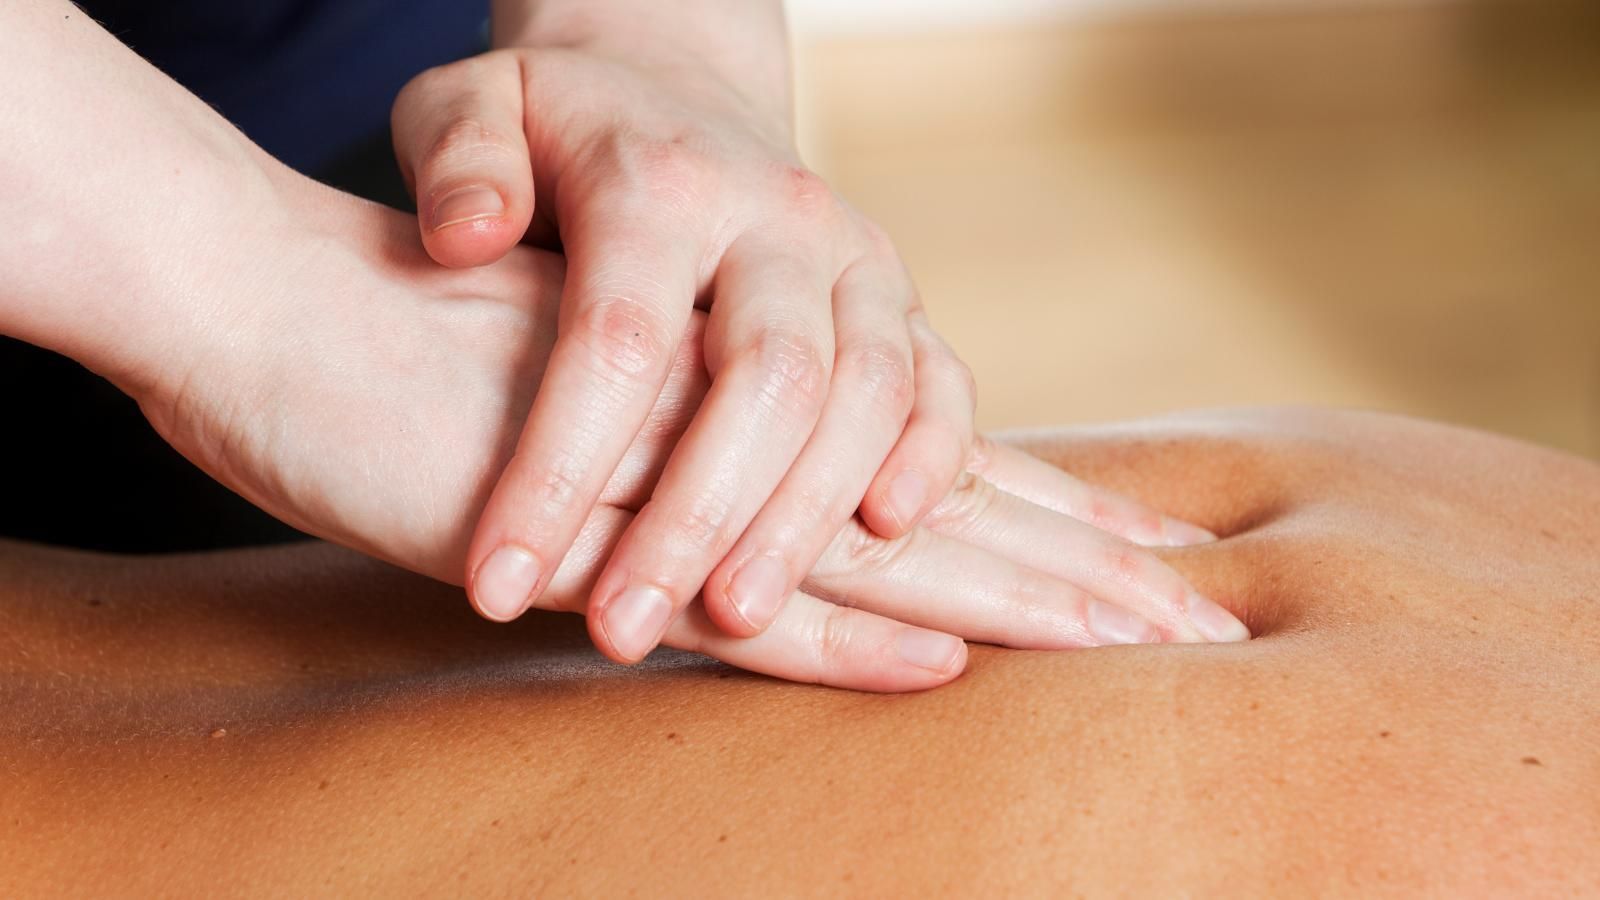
670,184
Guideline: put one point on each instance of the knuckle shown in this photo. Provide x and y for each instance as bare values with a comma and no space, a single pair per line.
838,556
671,158
623,336
1027,593
806,193
885,375
828,509
1144,522
835,635
980,456
943,365
1099,512
1117,516
821,509
859,551
663,173
556,486
794,370
967,505
959,375
701,524
1126,563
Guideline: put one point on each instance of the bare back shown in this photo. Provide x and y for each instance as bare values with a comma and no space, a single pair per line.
1420,710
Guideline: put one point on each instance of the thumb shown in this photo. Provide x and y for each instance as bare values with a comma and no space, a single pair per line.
459,140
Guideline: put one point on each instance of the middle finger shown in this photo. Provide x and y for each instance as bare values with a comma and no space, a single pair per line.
769,349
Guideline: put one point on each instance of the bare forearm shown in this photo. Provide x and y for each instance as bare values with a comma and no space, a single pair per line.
120,186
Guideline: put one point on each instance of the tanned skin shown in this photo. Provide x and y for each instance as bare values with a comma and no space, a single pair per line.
1418,712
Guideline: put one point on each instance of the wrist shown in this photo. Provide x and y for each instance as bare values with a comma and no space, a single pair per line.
228,302
740,46
152,287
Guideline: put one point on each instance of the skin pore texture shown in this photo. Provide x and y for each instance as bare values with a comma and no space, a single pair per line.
1419,711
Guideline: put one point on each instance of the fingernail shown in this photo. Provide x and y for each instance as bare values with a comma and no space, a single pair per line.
928,649
1213,622
906,493
636,620
758,589
1115,625
1183,534
504,582
467,204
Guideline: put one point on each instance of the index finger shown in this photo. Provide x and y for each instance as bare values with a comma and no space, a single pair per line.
623,313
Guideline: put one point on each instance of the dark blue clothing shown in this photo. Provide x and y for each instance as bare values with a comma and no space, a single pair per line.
312,82
305,79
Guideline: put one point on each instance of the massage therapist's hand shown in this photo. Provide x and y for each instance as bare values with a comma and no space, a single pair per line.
655,140
367,396
299,346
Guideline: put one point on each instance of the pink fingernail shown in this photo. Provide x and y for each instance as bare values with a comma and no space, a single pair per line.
928,649
505,582
466,205
636,620
1183,534
906,494
1115,625
757,590
1213,622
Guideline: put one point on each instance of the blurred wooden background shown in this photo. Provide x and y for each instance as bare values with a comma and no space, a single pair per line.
1392,207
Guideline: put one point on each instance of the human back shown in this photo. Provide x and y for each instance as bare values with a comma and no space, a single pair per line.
1417,712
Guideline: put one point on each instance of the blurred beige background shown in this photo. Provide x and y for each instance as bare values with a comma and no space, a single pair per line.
1119,209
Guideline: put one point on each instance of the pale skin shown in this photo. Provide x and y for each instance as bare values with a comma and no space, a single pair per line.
1418,714
301,347
656,140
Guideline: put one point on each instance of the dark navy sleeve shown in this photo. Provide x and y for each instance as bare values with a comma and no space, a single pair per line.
310,80
305,79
